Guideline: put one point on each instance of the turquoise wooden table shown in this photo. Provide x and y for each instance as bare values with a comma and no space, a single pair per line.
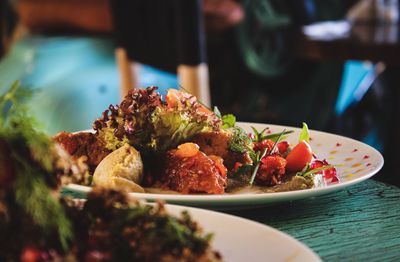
360,223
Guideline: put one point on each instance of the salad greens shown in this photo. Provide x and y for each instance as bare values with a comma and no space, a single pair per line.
173,127
229,121
151,125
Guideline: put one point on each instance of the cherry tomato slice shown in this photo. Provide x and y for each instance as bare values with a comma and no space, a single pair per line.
298,158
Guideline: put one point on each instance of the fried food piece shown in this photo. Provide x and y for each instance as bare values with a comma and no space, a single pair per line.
84,144
271,170
193,172
217,143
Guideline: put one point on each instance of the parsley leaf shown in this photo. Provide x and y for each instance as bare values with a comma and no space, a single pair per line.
229,121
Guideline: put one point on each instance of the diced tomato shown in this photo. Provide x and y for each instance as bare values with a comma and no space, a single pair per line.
282,147
266,143
237,166
299,157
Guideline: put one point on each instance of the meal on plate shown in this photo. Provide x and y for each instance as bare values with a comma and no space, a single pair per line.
175,144
37,224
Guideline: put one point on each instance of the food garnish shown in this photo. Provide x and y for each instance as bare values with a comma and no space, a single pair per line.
304,135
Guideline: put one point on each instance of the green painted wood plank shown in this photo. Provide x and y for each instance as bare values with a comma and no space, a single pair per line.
355,224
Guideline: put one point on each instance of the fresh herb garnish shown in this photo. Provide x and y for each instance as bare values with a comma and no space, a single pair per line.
277,141
307,171
33,195
304,135
260,136
257,166
33,169
278,136
229,121
240,141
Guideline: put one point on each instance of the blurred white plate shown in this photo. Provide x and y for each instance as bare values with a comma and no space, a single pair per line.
357,162
239,239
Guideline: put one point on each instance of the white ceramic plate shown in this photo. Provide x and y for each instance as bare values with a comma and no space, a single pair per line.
239,239
356,162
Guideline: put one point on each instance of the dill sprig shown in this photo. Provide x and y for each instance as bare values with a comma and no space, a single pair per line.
240,141
33,164
33,195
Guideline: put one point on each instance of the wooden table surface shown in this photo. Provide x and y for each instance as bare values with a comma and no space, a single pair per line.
360,223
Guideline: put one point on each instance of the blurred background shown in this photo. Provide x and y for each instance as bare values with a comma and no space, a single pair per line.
331,63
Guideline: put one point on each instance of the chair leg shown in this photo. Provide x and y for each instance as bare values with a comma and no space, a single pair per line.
195,80
127,71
